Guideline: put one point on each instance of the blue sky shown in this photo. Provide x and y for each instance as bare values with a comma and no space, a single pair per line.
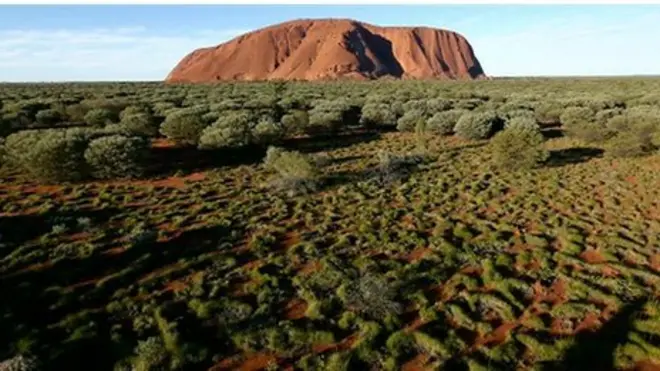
143,42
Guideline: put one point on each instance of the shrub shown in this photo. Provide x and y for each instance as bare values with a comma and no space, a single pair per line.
151,354
19,363
142,124
392,167
230,130
636,133
295,172
522,123
134,110
549,112
519,147
409,121
3,152
373,296
478,125
295,122
329,116
443,123
183,126
377,114
117,156
49,155
48,117
99,117
579,122
267,131
436,105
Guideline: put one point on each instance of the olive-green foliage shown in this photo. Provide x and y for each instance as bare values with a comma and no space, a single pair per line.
49,155
19,363
476,126
231,130
267,131
328,116
99,117
443,123
373,296
151,354
295,122
48,117
519,147
117,156
141,123
580,123
183,126
410,119
377,114
294,171
522,123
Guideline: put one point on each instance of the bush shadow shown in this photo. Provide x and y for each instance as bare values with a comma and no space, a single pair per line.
595,350
168,160
570,156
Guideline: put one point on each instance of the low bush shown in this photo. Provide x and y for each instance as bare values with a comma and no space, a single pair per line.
295,122
142,124
443,123
48,117
580,123
99,117
233,129
183,126
117,156
377,115
477,126
520,146
49,155
294,171
409,121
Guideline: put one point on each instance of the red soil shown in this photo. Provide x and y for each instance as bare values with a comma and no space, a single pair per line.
330,49
295,309
417,254
345,344
418,363
592,256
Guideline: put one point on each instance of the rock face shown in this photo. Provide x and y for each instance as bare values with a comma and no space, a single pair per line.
332,49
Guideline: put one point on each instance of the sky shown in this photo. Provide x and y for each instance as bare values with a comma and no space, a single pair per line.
144,42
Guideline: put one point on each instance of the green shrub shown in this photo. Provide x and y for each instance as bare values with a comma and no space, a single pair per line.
328,116
142,124
409,121
634,134
267,131
48,117
183,126
436,105
579,122
443,123
295,122
231,130
49,155
19,363
294,171
117,156
99,117
372,295
478,125
519,147
134,110
377,115
522,123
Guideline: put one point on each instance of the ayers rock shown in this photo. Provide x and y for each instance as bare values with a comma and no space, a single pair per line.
324,49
